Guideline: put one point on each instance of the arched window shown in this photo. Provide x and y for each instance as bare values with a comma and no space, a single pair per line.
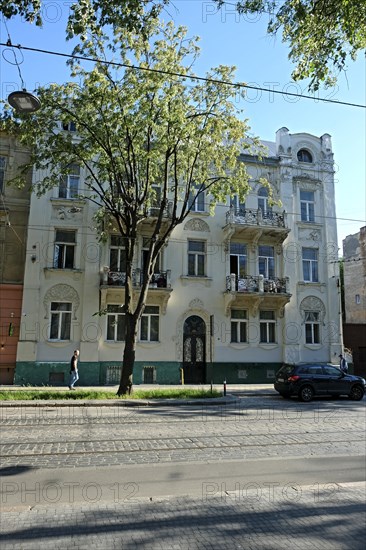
304,156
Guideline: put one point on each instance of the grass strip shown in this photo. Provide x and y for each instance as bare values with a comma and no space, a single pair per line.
47,394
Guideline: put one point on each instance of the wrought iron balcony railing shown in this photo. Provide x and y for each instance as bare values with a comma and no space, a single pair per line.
258,283
256,217
161,279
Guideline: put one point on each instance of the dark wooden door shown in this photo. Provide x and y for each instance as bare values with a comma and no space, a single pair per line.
194,350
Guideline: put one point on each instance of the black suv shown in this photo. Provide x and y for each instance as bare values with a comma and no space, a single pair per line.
311,379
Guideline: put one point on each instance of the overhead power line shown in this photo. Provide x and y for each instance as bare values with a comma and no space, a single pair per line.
237,85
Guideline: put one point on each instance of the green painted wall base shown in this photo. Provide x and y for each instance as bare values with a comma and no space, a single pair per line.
108,373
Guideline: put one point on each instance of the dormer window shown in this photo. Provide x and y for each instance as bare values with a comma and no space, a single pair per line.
304,156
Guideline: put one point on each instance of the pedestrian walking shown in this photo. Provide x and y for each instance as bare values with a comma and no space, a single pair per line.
74,375
343,365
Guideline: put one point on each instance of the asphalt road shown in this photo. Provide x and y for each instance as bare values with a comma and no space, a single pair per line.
179,477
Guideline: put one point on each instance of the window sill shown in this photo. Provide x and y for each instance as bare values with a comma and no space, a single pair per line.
148,345
238,345
310,284
64,201
52,272
187,279
313,347
269,345
199,213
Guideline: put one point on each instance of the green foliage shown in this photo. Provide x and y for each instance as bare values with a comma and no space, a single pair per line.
50,394
136,128
322,34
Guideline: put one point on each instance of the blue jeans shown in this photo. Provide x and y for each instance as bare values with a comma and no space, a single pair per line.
74,377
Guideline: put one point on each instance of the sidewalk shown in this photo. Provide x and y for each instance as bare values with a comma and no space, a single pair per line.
232,393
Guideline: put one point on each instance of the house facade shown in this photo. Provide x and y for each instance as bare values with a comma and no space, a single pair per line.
354,270
14,210
235,294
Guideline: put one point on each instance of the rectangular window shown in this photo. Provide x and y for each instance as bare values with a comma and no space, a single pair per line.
69,185
312,327
196,258
266,261
310,265
357,299
117,254
149,324
238,259
267,327
238,325
2,174
144,257
116,323
60,328
239,207
69,126
307,206
155,200
196,202
64,251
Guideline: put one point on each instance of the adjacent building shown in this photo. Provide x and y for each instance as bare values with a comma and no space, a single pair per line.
354,269
14,210
234,295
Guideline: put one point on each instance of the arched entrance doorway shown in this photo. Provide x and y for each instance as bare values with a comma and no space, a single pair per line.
194,350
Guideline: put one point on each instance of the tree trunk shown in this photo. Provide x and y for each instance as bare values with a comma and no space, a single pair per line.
125,386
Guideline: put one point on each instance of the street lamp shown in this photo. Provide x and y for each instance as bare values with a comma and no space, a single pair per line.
24,102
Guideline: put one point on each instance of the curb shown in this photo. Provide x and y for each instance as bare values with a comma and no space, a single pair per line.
229,399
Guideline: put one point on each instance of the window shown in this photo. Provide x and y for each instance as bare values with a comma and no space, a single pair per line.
304,156
238,325
155,200
307,206
266,261
149,325
310,265
267,327
357,299
69,126
2,174
117,254
64,250
145,252
238,259
263,202
331,371
116,326
69,185
196,258
196,202
312,327
60,327
239,207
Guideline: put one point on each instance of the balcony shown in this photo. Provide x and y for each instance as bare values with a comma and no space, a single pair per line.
152,213
252,291
113,283
253,224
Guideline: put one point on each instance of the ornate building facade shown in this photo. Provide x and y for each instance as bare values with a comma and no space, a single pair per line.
235,294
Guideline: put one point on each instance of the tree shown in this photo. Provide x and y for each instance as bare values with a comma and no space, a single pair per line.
322,34
138,129
90,14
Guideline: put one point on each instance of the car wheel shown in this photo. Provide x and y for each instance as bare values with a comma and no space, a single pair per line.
306,394
356,393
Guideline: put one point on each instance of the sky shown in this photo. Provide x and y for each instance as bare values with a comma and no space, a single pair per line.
261,60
